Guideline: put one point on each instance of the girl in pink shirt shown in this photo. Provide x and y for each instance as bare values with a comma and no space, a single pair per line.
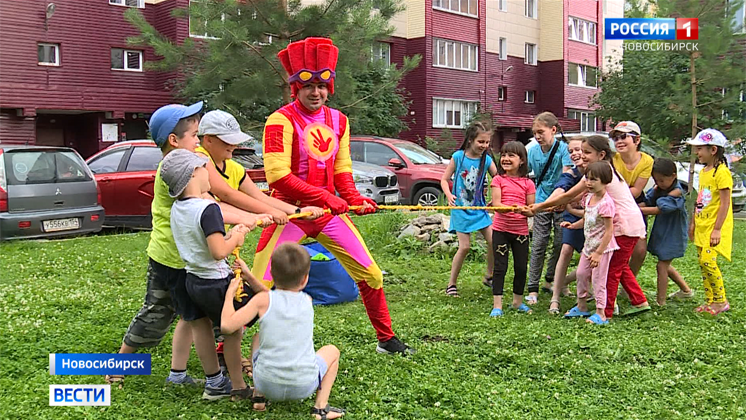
628,227
511,187
597,223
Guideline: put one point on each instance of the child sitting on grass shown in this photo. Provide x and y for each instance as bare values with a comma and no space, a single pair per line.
199,233
285,365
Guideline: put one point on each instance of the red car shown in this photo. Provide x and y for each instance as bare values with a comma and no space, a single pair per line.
125,173
418,169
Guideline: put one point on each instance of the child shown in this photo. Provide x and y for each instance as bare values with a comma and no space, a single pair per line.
470,164
635,167
628,227
547,162
285,366
511,187
668,236
572,239
599,245
711,229
199,234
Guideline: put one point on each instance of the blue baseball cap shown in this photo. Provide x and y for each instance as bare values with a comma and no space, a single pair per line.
164,120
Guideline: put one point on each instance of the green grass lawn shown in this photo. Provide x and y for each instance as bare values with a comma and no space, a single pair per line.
79,295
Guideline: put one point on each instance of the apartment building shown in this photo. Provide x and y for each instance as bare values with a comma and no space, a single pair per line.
512,58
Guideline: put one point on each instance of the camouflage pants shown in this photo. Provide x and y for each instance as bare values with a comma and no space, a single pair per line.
154,319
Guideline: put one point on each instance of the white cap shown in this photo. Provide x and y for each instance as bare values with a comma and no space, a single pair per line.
224,126
709,137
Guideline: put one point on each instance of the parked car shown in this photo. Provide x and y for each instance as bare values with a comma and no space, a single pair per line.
375,182
46,192
738,195
125,173
418,170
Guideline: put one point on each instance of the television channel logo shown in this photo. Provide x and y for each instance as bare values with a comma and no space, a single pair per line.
80,395
681,29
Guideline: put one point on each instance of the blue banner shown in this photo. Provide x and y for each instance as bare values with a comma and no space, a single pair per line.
99,364
648,28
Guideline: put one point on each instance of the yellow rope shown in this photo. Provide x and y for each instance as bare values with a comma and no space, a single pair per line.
502,209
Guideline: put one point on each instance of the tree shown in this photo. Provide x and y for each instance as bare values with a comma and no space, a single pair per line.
234,65
665,91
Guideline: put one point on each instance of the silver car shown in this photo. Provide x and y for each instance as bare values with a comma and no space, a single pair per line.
46,192
376,182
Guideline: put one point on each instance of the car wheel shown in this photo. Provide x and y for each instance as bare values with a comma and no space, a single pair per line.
427,196
736,209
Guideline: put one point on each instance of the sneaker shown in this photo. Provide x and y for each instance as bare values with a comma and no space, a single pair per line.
394,346
189,381
222,391
680,294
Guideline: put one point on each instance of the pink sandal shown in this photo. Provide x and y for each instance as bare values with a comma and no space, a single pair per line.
715,312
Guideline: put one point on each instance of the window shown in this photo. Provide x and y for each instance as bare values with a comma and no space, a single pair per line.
45,167
356,151
379,154
453,113
108,163
466,7
381,52
503,49
49,54
739,16
502,93
199,23
530,96
531,9
126,59
587,119
455,55
530,54
580,75
144,159
502,5
581,30
129,3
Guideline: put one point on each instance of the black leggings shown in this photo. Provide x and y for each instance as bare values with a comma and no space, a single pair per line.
519,244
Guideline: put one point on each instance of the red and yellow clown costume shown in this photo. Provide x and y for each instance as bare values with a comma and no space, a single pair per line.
307,159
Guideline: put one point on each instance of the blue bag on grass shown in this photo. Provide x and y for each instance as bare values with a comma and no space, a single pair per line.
328,282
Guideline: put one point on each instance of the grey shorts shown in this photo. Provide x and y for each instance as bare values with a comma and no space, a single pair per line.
281,392
157,313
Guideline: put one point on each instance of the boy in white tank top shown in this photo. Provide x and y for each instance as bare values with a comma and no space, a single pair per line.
285,365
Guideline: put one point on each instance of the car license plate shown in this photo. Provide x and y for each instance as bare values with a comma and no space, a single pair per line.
262,185
61,224
391,199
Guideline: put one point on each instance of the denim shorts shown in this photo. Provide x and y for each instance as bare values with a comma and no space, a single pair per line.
281,392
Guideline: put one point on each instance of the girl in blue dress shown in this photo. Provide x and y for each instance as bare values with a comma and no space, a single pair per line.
470,165
668,237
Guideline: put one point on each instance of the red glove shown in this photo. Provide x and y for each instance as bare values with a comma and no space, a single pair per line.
360,201
336,204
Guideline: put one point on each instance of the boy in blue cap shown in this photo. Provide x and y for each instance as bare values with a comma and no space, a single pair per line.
172,127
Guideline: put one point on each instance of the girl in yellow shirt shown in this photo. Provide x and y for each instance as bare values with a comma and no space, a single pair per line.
711,228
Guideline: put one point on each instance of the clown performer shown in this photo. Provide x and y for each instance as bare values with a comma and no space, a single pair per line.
306,160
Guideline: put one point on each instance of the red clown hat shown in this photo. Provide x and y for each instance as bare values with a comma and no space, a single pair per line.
312,59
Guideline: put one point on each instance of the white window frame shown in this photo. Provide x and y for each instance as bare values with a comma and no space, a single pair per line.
56,54
582,73
742,28
124,59
529,97
502,93
534,54
140,3
531,9
584,117
503,48
442,106
454,6
502,5
574,26
377,53
471,52
205,35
